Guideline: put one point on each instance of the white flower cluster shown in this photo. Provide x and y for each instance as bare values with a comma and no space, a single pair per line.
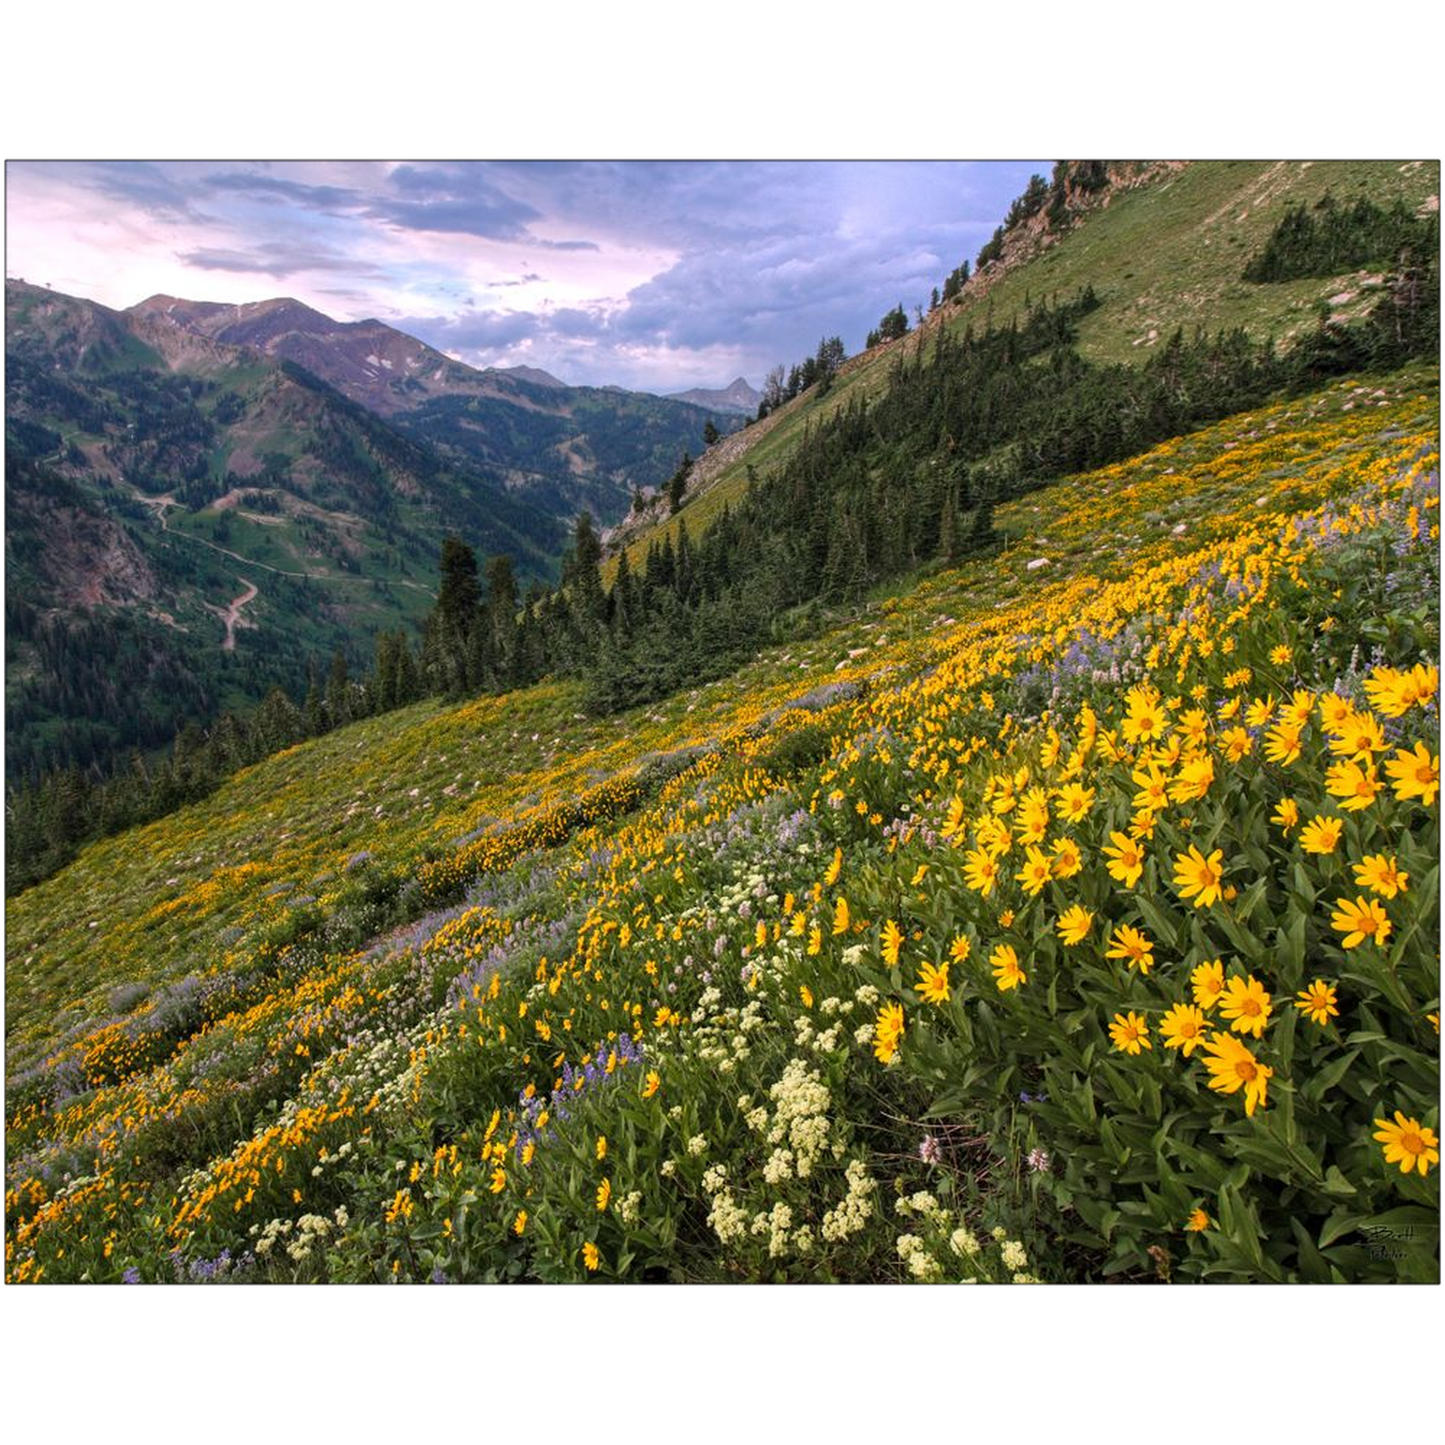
1013,1255
300,1235
775,1223
728,1221
921,1264
964,1243
856,1207
801,1100
627,1207
923,1204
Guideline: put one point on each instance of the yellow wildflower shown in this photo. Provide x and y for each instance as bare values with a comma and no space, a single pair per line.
1408,1143
1130,1033
1233,1067
1362,919
1006,971
1318,1002
1074,924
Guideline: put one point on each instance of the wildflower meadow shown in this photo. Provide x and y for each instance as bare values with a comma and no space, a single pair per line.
1068,916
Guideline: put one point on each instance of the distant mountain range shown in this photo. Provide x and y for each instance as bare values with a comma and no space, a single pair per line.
737,396
163,459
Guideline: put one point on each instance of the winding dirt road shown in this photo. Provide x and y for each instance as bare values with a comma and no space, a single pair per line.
232,614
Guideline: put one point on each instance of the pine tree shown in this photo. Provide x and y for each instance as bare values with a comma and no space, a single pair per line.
338,691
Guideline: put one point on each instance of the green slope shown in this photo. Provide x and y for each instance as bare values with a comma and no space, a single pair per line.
1167,254
203,1012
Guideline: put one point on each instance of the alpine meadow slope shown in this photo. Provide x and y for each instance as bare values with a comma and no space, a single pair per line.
1056,904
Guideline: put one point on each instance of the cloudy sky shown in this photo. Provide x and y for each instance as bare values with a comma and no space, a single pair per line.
657,276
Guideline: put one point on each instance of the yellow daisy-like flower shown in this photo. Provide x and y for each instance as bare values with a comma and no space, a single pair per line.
980,871
1237,743
1282,743
805,994
1362,919
1067,858
1074,924
760,934
1132,946
815,940
1259,712
1153,787
992,835
1037,871
1194,727
653,1084
840,916
1033,821
1280,655
1193,779
1074,800
1318,1002
1198,877
1395,693
1130,1033
1414,774
591,1256
1207,980
1358,735
1198,1221
1006,918
1286,816
887,1031
1183,1028
1300,707
1354,786
1126,859
1334,709
1006,971
1408,1143
519,1224
604,1194
892,942
1246,1005
1321,835
834,868
601,1146
1381,875
932,985
1233,1067
953,825
1146,719
960,949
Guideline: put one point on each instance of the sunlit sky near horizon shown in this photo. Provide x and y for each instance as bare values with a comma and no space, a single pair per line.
652,275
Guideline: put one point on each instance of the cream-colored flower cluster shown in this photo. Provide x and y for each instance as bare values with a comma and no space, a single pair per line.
856,1207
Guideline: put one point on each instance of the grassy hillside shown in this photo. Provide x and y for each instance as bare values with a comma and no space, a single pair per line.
1168,254
824,971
